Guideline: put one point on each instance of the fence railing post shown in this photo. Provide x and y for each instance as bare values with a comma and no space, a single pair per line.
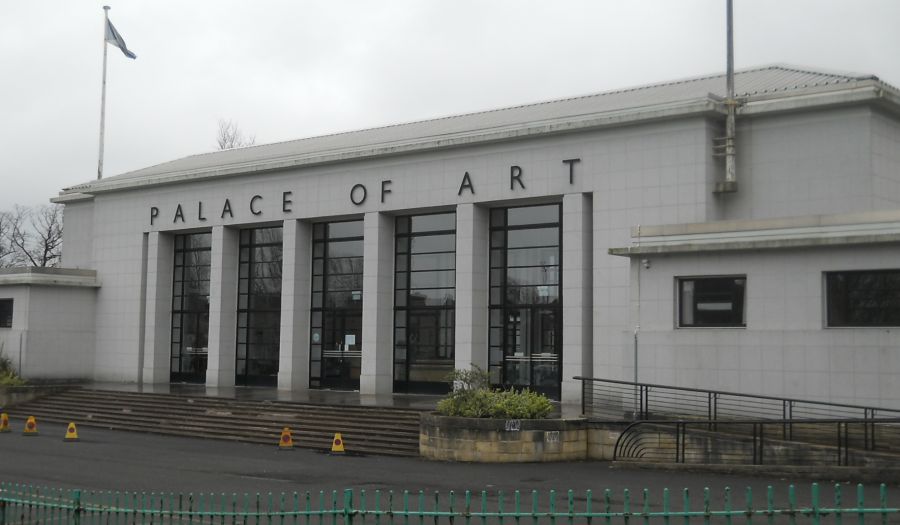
584,391
348,506
76,507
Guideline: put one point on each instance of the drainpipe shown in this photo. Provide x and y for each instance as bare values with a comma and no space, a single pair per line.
729,185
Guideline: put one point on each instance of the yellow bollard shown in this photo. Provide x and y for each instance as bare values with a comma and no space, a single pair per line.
30,427
337,444
71,433
287,441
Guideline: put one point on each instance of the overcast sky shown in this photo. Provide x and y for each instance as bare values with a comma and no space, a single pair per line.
290,69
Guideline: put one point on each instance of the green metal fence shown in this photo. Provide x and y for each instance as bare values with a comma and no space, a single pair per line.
27,504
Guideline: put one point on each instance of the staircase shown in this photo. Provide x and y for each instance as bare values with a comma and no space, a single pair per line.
365,430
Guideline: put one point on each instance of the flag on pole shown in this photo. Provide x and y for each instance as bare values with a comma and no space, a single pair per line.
114,38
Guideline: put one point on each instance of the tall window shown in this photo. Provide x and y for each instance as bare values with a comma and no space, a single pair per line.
259,306
190,307
863,298
711,301
525,298
336,315
424,302
6,313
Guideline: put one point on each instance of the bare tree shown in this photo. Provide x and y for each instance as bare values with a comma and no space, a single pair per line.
230,136
6,250
35,235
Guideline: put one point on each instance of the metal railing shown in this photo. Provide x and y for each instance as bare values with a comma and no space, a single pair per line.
760,442
614,400
25,504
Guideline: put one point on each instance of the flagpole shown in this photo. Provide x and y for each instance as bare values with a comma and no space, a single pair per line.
103,94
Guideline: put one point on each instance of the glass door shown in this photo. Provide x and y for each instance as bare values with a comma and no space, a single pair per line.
531,356
342,350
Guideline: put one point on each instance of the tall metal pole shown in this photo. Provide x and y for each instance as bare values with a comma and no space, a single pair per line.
103,94
729,10
731,104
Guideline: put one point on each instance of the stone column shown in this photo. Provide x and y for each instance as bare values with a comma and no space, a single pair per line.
158,311
223,283
472,247
577,286
293,366
376,376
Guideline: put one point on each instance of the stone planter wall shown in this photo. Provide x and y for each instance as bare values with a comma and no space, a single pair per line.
502,441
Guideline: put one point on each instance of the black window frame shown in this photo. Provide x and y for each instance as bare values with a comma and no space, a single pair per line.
849,316
259,306
506,298
709,279
6,313
190,365
333,310
442,267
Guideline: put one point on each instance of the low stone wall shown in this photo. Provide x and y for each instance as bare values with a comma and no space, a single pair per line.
602,439
11,396
502,441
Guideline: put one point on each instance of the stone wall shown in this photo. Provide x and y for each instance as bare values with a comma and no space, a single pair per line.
502,441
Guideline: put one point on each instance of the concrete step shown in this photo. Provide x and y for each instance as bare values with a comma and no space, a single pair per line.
366,430
192,401
325,420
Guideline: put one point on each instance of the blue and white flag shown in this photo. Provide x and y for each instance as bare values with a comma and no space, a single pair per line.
114,38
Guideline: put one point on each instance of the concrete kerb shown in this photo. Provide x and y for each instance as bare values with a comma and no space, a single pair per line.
813,473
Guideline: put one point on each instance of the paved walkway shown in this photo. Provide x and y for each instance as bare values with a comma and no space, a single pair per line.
133,461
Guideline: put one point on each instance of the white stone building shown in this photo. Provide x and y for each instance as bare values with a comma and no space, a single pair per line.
575,237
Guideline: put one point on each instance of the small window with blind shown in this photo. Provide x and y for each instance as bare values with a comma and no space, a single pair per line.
711,301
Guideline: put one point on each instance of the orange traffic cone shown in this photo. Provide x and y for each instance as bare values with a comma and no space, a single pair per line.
4,422
286,442
337,445
71,433
30,427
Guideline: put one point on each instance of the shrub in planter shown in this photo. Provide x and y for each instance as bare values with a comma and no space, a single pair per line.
473,397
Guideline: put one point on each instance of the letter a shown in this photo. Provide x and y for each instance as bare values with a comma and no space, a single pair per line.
466,183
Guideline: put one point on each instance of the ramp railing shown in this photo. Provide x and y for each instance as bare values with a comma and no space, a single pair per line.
834,442
614,400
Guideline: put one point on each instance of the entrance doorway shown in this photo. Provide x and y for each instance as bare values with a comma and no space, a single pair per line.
342,350
335,356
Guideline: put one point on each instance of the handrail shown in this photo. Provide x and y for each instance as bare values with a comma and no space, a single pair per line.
612,399
757,442
758,396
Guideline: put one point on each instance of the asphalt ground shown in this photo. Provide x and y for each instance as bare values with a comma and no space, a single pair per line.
135,462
